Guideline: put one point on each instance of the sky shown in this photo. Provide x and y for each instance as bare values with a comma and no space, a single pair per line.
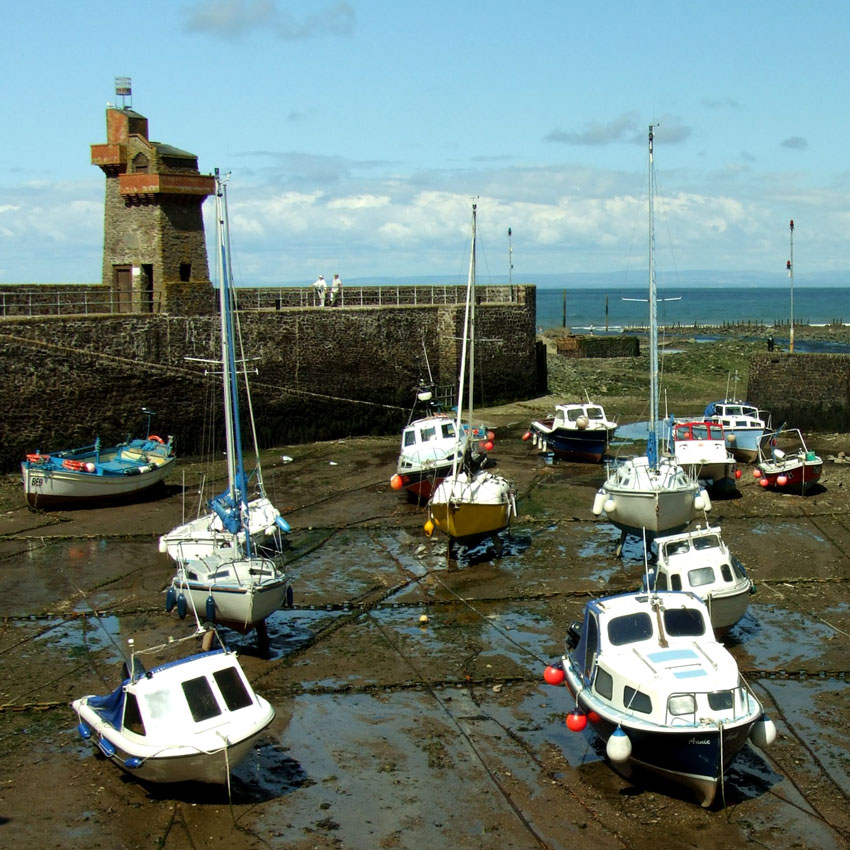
358,132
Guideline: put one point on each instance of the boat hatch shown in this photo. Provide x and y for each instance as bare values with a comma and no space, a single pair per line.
202,700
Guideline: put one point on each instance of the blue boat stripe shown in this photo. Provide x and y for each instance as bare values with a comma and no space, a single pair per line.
689,674
672,655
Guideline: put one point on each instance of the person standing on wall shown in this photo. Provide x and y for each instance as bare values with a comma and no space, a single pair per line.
321,288
336,291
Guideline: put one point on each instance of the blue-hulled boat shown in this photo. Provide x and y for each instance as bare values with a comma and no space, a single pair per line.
647,672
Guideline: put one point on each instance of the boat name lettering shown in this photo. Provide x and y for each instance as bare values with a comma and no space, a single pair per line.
701,741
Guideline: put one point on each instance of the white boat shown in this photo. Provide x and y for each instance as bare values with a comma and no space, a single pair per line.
647,672
96,475
430,446
576,431
743,426
470,503
222,576
699,447
189,720
700,562
650,493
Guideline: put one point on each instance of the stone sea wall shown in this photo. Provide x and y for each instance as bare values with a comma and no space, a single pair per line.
321,373
808,391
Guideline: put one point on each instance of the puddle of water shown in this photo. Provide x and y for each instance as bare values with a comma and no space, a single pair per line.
788,528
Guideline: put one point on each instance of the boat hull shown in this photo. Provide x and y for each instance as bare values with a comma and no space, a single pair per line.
238,606
45,486
744,443
580,446
727,609
471,507
468,522
695,758
422,483
799,477
172,765
657,512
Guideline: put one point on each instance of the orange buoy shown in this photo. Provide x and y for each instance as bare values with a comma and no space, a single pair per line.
526,436
553,675
395,482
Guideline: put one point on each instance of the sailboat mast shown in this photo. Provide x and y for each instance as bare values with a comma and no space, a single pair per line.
652,439
466,323
235,464
224,311
791,275
471,285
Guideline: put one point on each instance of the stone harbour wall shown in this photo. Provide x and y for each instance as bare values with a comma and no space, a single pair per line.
806,391
321,373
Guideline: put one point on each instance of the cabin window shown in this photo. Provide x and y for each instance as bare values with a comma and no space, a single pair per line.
409,438
737,570
710,541
232,688
604,683
701,576
132,715
594,413
629,628
448,430
677,548
636,700
661,582
715,431
683,622
726,572
591,639
700,432
202,701
220,574
428,434
675,582
679,704
721,700
573,415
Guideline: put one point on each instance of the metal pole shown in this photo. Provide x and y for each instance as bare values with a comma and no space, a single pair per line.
564,320
510,259
790,267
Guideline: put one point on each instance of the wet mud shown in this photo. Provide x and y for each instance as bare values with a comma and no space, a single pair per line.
411,710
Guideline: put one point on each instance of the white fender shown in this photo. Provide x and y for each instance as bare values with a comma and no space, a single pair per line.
609,506
598,502
763,733
619,747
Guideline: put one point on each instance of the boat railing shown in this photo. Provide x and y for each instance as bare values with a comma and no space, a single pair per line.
741,706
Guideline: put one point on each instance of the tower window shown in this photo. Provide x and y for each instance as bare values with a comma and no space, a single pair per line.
185,272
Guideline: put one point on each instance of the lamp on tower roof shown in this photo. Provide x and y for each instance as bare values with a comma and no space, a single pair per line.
124,90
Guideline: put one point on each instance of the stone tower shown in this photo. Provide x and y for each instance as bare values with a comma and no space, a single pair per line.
154,252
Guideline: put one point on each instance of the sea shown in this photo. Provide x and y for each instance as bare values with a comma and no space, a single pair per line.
616,309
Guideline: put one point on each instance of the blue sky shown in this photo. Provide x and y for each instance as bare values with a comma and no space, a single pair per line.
357,132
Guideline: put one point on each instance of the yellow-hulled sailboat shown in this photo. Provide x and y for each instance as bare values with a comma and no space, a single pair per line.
471,503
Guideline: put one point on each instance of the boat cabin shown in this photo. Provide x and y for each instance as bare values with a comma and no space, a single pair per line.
428,430
694,562
651,657
735,414
698,431
178,700
570,416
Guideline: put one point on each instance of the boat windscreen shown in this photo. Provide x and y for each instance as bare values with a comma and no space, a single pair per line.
683,622
232,688
630,628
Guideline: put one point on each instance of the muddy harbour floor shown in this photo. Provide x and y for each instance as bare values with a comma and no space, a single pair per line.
392,733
